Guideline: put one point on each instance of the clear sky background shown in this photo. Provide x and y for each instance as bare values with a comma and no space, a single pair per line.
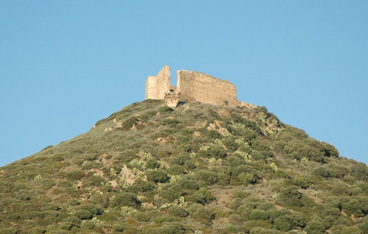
66,64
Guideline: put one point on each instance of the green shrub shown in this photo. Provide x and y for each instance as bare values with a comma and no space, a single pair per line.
339,172
152,164
209,177
142,216
8,231
125,199
172,191
34,215
180,159
120,226
93,209
93,181
342,229
176,170
248,178
70,222
212,134
235,203
83,214
353,207
215,151
230,144
282,223
282,174
189,165
162,219
75,175
364,226
359,171
321,171
260,230
12,216
165,109
128,124
168,228
204,214
143,186
341,189
203,195
258,215
235,219
251,125
330,215
315,227
188,183
37,230
330,150
302,181
290,196
235,160
178,211
87,224
236,228
158,176
223,178
111,216
266,206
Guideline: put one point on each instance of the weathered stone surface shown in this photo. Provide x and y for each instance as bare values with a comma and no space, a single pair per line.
245,104
157,86
195,86
172,98
192,86
151,87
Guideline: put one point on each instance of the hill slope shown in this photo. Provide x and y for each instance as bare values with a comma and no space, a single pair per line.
195,169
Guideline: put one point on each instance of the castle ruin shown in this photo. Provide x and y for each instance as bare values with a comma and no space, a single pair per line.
191,86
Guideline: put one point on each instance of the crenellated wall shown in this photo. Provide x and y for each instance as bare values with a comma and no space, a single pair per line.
191,86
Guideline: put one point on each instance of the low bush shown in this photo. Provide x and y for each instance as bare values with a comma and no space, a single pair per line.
168,228
128,124
70,222
8,231
158,176
124,199
359,171
204,214
353,207
330,215
315,227
178,211
203,196
142,216
302,181
258,215
209,177
260,230
83,214
321,171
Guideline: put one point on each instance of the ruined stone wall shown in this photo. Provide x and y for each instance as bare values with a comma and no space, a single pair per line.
151,87
157,86
194,86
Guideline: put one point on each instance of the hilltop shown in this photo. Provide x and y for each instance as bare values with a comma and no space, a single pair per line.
196,168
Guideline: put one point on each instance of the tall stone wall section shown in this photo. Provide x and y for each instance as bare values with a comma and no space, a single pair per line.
194,86
157,86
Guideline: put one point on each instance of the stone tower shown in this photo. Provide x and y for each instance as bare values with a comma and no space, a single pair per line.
157,86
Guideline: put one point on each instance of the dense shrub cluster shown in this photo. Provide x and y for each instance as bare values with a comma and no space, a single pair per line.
194,169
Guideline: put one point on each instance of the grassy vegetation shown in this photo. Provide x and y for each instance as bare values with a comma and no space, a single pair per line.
195,169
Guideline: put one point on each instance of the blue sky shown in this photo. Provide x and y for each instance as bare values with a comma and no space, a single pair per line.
66,64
